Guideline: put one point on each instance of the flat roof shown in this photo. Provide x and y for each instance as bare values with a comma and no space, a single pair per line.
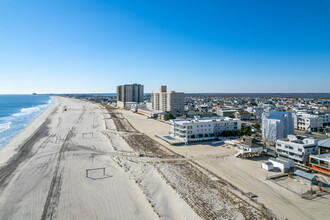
323,156
278,161
284,159
216,119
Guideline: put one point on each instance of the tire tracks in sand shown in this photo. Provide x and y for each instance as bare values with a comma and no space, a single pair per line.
53,197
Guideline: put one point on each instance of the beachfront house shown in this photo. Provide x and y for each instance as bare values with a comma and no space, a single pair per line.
202,129
297,149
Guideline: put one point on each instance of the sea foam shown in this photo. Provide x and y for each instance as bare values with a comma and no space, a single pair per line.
26,111
11,125
4,126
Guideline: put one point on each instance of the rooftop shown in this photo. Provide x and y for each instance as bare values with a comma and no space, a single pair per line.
198,119
325,143
304,174
323,156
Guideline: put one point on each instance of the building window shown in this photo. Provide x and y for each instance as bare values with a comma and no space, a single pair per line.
324,163
314,161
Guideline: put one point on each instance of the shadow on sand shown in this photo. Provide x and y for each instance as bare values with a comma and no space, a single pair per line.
105,176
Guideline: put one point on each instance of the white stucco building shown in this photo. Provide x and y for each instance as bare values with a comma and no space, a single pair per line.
199,129
224,112
256,111
296,149
307,122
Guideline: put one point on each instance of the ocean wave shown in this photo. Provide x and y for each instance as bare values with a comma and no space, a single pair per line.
26,111
4,126
11,125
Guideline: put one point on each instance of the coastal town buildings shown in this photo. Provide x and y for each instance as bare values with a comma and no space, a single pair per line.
129,94
243,115
277,125
225,112
325,118
324,146
307,122
255,111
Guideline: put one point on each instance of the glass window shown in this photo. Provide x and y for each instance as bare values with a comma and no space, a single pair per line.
324,163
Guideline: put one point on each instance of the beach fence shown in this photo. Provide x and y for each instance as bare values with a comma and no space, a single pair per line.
88,135
93,169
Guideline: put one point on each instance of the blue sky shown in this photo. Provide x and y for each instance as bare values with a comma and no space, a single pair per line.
66,46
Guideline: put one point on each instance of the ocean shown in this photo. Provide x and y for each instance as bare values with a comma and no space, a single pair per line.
17,111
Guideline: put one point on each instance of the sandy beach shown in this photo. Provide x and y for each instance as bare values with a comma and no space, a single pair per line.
43,171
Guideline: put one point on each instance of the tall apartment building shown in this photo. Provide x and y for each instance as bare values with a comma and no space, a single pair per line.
277,125
129,94
172,102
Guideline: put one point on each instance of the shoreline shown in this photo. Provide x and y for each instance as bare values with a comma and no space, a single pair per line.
43,170
12,147
45,177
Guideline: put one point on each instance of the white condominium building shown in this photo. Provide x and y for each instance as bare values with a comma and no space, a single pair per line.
256,111
307,122
296,149
225,112
198,129
172,102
